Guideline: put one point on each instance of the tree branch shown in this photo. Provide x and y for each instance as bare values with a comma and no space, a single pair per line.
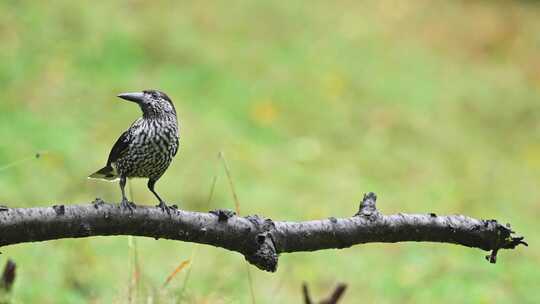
260,240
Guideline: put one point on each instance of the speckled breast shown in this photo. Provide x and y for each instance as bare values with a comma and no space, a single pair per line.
151,151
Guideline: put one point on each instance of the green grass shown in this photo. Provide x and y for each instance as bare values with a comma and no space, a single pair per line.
432,105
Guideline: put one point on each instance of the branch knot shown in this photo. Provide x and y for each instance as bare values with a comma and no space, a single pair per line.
368,207
262,253
59,209
223,214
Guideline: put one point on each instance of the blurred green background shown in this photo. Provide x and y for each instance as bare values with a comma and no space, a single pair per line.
433,105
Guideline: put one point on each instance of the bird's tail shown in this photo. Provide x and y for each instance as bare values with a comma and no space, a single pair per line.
107,173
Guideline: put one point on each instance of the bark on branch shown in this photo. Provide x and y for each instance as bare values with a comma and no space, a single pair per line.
259,239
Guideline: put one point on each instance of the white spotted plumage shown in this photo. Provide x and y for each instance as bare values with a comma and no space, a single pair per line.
153,144
147,148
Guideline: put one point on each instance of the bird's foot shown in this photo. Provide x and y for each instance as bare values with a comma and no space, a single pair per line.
127,205
164,207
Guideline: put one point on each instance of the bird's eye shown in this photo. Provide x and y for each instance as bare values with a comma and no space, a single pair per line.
155,95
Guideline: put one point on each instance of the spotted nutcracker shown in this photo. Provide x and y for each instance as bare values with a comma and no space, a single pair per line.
147,148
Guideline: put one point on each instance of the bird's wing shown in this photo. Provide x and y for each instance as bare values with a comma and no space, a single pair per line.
120,147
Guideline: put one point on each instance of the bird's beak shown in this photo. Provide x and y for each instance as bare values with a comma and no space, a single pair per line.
135,97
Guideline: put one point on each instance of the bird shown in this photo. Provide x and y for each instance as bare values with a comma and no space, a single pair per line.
146,148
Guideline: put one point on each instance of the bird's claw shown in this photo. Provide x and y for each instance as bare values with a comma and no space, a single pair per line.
164,207
127,205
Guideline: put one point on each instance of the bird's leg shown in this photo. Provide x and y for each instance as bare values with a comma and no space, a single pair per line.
162,205
125,204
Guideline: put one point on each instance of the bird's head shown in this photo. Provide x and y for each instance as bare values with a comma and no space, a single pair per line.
153,103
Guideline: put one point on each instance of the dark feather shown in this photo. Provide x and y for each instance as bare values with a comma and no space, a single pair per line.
119,148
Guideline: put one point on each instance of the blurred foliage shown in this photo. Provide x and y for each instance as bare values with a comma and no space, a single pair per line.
434,105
